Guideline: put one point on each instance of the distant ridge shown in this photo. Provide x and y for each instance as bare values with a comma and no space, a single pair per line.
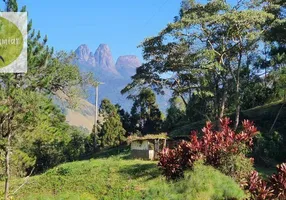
115,75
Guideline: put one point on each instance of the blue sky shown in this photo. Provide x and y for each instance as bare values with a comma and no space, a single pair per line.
122,24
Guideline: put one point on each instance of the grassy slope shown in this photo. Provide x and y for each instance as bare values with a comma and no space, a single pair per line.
118,177
263,117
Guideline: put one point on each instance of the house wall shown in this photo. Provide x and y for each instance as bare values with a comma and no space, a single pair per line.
143,149
143,154
140,145
140,149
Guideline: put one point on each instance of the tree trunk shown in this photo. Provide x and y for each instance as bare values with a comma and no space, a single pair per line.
223,102
237,116
94,138
95,121
184,100
7,167
216,104
238,90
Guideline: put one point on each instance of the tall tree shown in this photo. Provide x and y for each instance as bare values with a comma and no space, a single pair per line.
276,32
175,113
47,74
111,132
16,115
145,113
203,52
275,37
125,119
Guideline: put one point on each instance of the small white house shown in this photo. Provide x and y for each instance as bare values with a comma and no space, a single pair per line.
147,147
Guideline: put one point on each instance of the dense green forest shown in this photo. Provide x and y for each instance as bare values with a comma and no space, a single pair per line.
225,66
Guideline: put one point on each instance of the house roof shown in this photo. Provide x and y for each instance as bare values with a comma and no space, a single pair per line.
147,137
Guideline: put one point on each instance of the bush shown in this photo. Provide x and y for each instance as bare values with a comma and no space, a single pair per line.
278,182
272,188
53,148
21,163
236,166
222,149
170,163
269,148
225,151
76,146
258,187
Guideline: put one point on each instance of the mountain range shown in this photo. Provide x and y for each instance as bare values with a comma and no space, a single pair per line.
102,64
114,76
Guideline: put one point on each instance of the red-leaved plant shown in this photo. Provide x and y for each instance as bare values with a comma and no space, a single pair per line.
170,163
258,188
212,147
272,188
220,149
278,182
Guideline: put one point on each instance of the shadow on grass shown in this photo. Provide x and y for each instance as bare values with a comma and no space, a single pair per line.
265,171
107,152
147,171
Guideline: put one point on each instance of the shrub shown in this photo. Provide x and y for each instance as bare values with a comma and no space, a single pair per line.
225,150
258,187
21,163
170,163
269,148
272,188
75,148
218,148
236,166
278,182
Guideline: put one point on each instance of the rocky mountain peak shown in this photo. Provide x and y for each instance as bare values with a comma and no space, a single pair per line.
82,53
91,60
115,76
103,57
126,65
104,47
102,64
129,61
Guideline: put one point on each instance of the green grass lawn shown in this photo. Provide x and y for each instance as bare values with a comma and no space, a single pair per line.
118,177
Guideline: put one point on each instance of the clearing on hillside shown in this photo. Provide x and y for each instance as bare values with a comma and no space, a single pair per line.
119,177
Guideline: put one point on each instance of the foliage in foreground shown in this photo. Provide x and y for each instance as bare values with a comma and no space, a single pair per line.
226,151
272,188
116,177
217,148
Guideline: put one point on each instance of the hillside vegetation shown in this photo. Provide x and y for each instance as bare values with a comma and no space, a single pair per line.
118,177
263,116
